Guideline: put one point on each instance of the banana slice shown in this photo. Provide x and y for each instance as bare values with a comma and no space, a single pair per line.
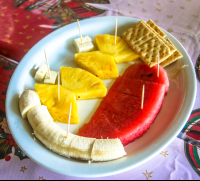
27,100
63,144
81,148
58,141
106,150
37,114
60,144
42,132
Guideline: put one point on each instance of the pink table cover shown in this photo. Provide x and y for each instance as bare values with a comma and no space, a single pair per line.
180,160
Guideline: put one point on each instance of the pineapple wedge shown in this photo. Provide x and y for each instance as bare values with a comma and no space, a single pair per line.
121,51
126,56
100,64
59,109
82,83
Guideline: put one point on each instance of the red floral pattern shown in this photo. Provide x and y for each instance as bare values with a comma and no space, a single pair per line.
6,70
6,139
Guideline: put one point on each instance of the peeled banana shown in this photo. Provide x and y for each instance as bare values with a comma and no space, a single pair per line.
27,100
58,141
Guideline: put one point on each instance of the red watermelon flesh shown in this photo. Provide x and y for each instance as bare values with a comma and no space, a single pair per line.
122,109
128,130
133,87
128,94
101,124
144,72
121,104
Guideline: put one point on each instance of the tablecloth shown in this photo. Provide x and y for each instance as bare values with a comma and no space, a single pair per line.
24,22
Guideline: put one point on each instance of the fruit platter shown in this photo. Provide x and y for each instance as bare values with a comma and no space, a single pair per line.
115,125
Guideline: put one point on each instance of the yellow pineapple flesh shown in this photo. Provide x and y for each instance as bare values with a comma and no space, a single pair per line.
126,56
100,64
84,84
121,51
59,109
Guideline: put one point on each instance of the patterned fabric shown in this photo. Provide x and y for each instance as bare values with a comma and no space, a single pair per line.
192,154
22,24
7,142
197,69
27,21
191,131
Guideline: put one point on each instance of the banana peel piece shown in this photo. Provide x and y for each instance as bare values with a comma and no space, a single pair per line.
58,141
27,100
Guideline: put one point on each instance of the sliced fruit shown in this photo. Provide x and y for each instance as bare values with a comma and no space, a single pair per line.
100,64
84,84
107,149
81,148
38,113
120,111
99,127
65,143
59,109
126,56
27,100
121,51
143,72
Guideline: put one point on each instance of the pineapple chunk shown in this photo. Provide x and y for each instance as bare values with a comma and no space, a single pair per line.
59,109
100,64
82,83
121,51
106,44
126,56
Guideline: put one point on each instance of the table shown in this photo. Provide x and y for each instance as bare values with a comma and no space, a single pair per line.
23,23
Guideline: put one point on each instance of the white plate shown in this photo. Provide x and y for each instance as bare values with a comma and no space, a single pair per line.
60,50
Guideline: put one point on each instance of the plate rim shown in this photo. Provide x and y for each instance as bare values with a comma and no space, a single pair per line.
192,101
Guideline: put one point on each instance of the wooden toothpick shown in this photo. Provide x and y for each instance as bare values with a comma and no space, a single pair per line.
116,31
70,110
158,64
58,85
80,32
47,65
177,72
142,101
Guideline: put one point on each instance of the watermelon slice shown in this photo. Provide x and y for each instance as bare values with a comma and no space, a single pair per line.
102,124
142,71
120,115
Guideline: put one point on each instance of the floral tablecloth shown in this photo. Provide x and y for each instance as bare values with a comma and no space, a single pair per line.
24,22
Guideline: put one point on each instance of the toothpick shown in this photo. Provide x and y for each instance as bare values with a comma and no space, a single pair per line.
47,65
70,109
177,72
80,32
58,85
116,31
158,64
142,101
